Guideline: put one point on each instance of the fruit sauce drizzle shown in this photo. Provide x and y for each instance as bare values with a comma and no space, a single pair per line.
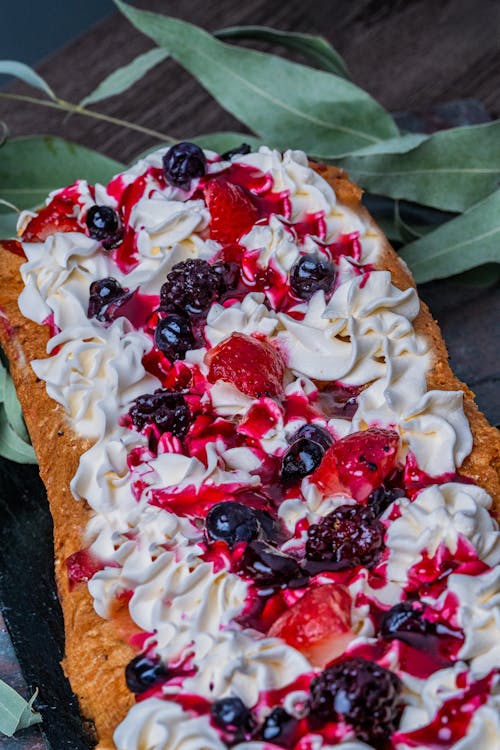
361,642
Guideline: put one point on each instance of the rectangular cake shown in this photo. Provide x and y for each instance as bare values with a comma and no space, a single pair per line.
273,502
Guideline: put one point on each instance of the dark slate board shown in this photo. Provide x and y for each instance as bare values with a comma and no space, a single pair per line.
30,605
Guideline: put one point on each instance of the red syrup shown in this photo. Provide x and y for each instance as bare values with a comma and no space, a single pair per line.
452,719
429,575
82,565
311,225
15,247
346,245
260,185
415,479
338,400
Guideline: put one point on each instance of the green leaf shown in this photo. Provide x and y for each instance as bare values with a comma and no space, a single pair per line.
123,78
287,104
26,74
31,167
224,141
12,446
462,243
15,712
8,224
401,144
315,48
450,170
13,410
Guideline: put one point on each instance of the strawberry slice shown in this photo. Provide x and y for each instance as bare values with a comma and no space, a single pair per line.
232,210
318,624
56,217
253,366
358,463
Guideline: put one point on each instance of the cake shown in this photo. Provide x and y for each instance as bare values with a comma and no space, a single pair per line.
273,501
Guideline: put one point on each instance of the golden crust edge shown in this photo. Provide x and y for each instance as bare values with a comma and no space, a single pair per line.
95,664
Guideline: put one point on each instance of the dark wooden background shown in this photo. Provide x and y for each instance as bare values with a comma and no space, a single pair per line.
409,54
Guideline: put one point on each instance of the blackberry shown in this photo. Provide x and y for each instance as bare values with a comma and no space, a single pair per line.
315,433
380,499
191,287
360,693
228,273
243,149
166,409
348,536
269,567
405,622
141,673
103,292
309,275
278,727
231,715
104,225
182,163
173,336
232,522
301,459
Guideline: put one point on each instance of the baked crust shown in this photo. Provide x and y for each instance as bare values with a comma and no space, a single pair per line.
96,654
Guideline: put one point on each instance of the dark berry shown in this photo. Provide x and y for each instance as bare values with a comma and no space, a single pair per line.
301,459
309,275
360,693
232,522
380,499
191,287
243,149
406,623
141,673
228,273
278,726
173,336
268,566
231,715
348,536
182,163
103,292
166,409
104,225
315,433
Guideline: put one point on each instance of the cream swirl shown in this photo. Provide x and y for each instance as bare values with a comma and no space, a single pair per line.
249,316
161,223
275,244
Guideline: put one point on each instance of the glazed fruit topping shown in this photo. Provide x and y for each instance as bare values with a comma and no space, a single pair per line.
104,225
191,287
268,567
360,693
315,433
358,463
309,275
232,211
232,522
318,624
253,366
167,410
102,293
405,622
301,459
173,336
56,217
241,150
182,163
231,715
278,727
380,499
348,536
142,673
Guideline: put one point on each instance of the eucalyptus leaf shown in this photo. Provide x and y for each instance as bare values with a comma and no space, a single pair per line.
462,243
31,167
450,170
11,445
287,104
317,49
401,144
8,224
26,74
13,410
122,79
15,712
224,141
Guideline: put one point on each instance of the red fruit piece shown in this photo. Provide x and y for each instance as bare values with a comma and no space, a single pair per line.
253,366
56,217
358,463
232,210
318,624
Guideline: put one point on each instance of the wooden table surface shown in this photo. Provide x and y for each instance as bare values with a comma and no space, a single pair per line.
409,54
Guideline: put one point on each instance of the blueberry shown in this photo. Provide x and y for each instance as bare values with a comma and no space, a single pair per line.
243,149
380,499
278,726
231,715
301,459
141,673
168,410
232,522
309,275
315,433
173,336
182,163
103,292
104,225
405,622
268,566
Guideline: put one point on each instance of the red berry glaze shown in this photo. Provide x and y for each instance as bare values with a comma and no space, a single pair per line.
56,217
253,366
358,463
232,210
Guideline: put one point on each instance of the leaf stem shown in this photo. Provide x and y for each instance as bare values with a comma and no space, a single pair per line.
76,109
